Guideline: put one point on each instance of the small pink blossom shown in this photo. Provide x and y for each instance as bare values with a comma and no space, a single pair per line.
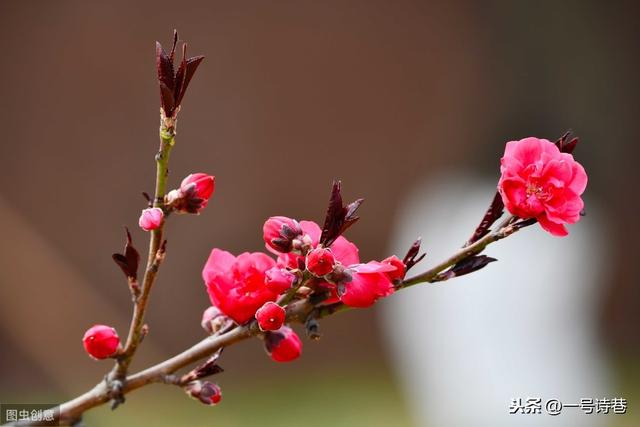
538,181
270,316
151,219
101,341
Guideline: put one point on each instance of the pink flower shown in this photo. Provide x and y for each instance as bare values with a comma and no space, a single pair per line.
538,181
279,280
270,316
320,261
237,285
151,218
101,341
283,345
279,233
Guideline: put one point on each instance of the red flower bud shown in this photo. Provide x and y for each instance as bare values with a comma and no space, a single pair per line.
270,316
101,341
320,261
204,391
283,345
151,218
193,195
278,280
202,183
279,232
400,270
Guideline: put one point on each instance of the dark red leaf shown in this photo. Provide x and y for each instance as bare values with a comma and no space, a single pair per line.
466,266
129,261
495,211
190,66
338,217
412,258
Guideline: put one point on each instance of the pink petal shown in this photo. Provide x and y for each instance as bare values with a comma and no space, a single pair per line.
219,262
345,251
312,229
552,227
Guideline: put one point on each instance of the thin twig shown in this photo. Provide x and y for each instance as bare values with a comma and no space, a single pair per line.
156,255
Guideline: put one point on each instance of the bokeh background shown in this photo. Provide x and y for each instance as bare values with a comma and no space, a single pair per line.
381,94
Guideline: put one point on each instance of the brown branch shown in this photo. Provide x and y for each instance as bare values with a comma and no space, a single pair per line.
297,311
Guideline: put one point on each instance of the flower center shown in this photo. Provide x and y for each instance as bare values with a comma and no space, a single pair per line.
535,189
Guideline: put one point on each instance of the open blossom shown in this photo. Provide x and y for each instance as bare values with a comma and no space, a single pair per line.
150,219
283,345
101,341
538,181
237,285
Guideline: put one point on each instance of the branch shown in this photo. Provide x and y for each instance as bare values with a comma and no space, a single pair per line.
156,255
297,311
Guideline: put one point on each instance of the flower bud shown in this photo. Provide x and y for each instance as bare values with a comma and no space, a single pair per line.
270,316
212,320
320,261
400,270
283,345
278,280
101,341
202,185
204,391
279,233
193,194
151,218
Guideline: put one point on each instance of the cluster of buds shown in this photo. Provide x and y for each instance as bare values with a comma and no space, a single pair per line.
309,260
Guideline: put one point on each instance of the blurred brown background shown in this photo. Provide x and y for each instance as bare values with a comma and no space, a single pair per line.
291,95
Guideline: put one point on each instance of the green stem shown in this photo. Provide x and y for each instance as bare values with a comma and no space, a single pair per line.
167,140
